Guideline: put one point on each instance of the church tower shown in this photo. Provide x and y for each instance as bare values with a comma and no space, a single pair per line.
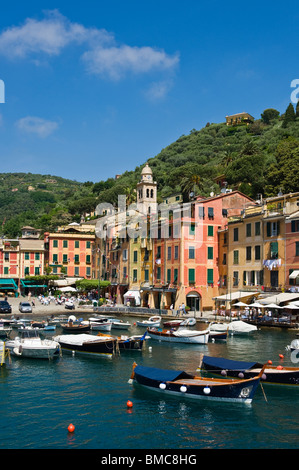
147,192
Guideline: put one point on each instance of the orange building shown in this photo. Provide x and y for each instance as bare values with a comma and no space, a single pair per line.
70,251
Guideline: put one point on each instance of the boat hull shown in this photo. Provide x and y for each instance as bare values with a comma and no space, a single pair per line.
187,386
96,347
173,337
236,369
33,351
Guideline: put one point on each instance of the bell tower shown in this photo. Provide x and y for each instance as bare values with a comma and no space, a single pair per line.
147,192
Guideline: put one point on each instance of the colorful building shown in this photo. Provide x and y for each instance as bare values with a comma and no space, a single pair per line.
70,251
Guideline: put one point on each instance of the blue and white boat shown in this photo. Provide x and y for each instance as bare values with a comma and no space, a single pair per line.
182,384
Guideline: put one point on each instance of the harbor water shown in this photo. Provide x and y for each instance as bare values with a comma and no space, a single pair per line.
40,398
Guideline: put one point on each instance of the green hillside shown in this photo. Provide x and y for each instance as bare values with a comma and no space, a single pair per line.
260,158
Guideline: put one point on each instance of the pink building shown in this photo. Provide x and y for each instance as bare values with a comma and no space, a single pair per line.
199,267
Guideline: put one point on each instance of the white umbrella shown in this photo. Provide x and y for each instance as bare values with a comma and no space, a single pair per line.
240,304
272,306
257,305
68,289
292,306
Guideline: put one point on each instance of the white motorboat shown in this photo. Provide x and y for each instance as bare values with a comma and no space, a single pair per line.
152,321
181,335
188,322
294,345
239,327
29,344
120,324
100,326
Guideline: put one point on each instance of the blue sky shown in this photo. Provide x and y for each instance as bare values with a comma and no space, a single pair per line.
95,88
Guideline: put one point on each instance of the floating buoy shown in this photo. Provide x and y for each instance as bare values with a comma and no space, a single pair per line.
150,348
269,362
129,404
281,356
279,367
71,428
134,324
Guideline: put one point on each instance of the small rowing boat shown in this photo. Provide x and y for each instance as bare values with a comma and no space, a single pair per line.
183,384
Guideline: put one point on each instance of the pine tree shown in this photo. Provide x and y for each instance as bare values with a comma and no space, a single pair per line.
297,109
289,115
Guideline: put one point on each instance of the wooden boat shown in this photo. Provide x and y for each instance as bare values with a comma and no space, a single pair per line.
29,344
179,336
87,344
98,326
273,375
4,353
71,327
152,321
173,323
127,343
182,384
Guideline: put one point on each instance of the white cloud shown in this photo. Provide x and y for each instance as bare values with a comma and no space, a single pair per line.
102,56
35,125
117,61
49,36
158,90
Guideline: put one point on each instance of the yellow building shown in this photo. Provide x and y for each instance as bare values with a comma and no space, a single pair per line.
239,118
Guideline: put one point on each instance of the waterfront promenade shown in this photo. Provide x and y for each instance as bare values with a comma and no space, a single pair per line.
52,308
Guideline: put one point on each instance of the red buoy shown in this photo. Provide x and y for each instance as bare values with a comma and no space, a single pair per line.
71,428
281,356
129,404
269,362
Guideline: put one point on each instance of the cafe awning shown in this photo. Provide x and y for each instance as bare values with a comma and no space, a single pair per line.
294,274
133,294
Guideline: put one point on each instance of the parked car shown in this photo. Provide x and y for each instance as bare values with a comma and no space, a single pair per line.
25,307
5,307
69,305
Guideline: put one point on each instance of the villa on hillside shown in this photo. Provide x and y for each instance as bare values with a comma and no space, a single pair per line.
239,118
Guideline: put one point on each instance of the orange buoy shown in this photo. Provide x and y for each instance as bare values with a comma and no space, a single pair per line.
71,428
279,367
269,362
129,404
281,356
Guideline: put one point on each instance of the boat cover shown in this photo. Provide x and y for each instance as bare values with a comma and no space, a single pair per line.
241,327
163,375
79,339
189,333
226,364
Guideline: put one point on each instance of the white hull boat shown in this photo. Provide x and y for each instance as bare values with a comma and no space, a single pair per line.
181,335
29,344
153,321
121,325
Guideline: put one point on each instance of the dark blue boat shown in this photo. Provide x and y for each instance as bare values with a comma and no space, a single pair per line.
182,384
272,375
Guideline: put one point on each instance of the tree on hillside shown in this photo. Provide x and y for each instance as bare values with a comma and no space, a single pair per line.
269,114
289,116
297,109
283,175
